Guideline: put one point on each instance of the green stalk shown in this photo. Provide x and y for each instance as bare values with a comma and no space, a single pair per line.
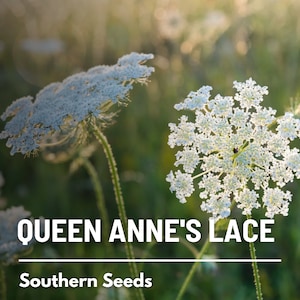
257,282
99,195
119,198
192,270
2,283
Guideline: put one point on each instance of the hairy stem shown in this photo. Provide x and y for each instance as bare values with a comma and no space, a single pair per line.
192,270
257,282
119,198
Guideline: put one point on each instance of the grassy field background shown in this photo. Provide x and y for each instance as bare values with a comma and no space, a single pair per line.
195,43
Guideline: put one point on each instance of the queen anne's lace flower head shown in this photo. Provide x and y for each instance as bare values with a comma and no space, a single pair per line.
10,246
68,103
232,149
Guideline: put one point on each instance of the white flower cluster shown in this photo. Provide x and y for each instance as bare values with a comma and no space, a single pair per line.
240,151
10,246
71,101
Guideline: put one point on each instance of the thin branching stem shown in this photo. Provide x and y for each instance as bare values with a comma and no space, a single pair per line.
257,282
119,198
192,270
99,196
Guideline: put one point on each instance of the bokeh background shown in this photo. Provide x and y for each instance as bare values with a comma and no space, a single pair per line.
195,43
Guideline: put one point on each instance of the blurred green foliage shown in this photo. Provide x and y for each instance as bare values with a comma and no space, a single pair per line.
195,43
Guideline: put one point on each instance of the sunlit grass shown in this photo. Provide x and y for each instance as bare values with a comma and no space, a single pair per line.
195,43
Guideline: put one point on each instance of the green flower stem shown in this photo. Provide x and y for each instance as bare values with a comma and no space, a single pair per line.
192,270
119,198
257,282
2,283
99,195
